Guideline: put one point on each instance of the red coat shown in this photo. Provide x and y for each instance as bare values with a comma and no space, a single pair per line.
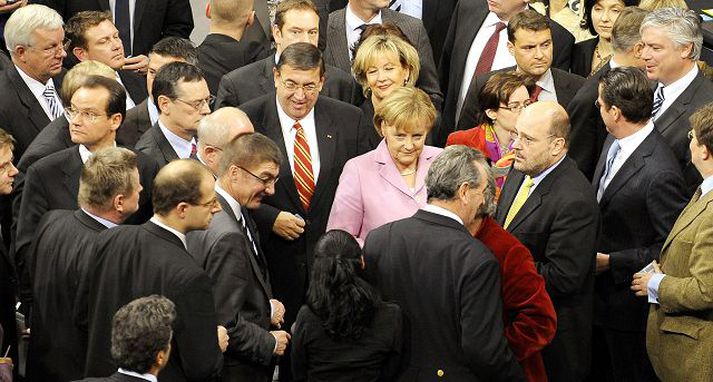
530,319
474,138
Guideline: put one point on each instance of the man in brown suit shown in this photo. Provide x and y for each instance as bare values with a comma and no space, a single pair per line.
679,335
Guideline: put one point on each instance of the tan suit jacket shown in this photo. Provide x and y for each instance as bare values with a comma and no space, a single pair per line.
679,335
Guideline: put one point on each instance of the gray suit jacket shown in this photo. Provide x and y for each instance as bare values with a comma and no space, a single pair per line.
337,52
154,144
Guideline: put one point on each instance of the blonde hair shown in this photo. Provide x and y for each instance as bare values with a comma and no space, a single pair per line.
405,108
106,174
650,5
75,77
373,47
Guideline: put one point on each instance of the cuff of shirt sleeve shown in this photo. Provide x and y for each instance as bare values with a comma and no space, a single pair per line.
653,287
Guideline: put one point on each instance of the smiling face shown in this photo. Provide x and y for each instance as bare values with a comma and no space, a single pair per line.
665,61
290,84
532,51
247,189
386,74
604,14
103,45
405,145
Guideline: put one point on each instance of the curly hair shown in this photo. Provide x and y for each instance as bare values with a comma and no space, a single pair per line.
338,295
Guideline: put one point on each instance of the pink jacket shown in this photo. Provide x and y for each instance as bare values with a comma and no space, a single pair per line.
371,192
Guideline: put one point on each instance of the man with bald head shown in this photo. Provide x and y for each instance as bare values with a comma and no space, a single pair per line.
551,208
215,131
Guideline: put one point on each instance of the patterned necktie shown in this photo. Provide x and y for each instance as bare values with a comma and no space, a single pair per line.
535,93
658,102
395,5
194,151
611,156
241,219
303,175
122,20
519,200
485,63
51,99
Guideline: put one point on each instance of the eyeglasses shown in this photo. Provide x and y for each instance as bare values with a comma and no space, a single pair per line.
516,107
54,50
293,87
267,182
691,134
88,116
198,105
525,140
209,204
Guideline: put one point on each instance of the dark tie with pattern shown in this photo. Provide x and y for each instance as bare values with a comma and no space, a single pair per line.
395,5
122,20
658,102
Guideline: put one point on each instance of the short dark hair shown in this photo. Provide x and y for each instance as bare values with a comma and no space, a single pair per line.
702,125
287,5
301,56
106,174
178,182
249,149
589,5
141,329
176,47
529,20
170,75
117,94
78,24
7,140
499,88
628,89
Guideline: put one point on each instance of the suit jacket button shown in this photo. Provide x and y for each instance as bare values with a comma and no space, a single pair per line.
440,373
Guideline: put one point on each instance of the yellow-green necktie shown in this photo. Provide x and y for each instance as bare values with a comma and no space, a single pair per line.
519,201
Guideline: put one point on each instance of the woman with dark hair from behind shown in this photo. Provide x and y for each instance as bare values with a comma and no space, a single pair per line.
344,332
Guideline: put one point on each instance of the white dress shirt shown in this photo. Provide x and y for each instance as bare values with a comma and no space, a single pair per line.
100,220
352,24
172,230
413,8
627,146
132,8
289,133
547,83
181,146
147,376
37,88
443,212
675,89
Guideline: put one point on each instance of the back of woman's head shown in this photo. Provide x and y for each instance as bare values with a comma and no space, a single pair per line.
337,294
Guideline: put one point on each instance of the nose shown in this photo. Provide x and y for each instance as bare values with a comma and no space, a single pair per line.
13,170
205,108
216,208
270,189
539,53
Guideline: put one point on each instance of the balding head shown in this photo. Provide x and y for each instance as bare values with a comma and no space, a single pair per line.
227,12
543,130
216,130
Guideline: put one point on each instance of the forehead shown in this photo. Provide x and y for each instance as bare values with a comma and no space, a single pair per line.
267,168
5,154
529,37
193,89
90,97
100,30
533,123
652,35
43,35
304,18
384,56
156,61
609,3
287,72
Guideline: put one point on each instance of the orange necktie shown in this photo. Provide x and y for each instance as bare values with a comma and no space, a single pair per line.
303,175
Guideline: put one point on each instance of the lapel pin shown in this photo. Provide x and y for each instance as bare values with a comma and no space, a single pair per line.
329,136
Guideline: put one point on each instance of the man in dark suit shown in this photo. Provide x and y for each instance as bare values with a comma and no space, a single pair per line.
96,111
588,131
108,193
140,118
254,80
224,49
149,22
138,261
550,207
682,89
451,296
345,27
93,36
640,190
474,23
141,334
8,278
30,86
181,95
317,135
530,43
230,252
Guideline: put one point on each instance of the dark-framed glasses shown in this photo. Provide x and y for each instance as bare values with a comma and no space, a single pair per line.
267,182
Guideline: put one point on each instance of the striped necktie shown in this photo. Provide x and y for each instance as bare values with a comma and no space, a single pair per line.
658,102
395,5
50,97
519,200
241,219
303,175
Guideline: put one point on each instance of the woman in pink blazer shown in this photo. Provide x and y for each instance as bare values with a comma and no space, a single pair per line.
388,183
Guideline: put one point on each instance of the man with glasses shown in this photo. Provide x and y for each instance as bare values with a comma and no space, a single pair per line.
215,131
138,261
550,207
181,94
530,43
319,135
30,99
230,252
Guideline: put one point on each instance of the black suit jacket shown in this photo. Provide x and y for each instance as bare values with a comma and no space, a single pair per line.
154,144
58,260
241,288
116,377
673,124
153,19
638,209
54,137
450,298
136,123
558,224
468,17
137,261
587,131
8,291
255,80
566,86
134,84
337,52
582,55
341,136
219,54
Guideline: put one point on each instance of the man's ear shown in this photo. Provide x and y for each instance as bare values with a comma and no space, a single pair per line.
80,53
118,203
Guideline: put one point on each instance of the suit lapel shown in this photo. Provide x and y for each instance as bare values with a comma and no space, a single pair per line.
326,140
267,82
563,87
679,106
599,170
340,48
633,165
88,221
508,192
72,171
139,13
688,215
34,110
167,150
258,262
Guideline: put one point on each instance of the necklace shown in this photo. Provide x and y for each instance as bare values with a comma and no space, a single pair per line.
408,172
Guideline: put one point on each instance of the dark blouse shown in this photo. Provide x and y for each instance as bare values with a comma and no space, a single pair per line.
582,55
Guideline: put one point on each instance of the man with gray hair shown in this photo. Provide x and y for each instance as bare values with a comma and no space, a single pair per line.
451,294
35,39
216,130
672,40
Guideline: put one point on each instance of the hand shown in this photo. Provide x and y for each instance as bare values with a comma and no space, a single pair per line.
641,281
222,338
282,338
288,226
278,313
138,63
7,8
602,262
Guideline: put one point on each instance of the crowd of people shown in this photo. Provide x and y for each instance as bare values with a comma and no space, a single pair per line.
355,190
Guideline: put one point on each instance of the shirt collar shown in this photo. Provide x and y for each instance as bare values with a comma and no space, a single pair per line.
536,180
234,204
613,64
442,211
180,145
628,144
106,223
153,111
677,87
147,376
32,83
85,154
547,82
286,121
492,19
172,230
707,185
353,21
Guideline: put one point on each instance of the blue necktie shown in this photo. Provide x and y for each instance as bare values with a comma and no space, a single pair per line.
611,155
122,20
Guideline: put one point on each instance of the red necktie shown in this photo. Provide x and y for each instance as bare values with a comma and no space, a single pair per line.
194,151
485,63
535,93
304,178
